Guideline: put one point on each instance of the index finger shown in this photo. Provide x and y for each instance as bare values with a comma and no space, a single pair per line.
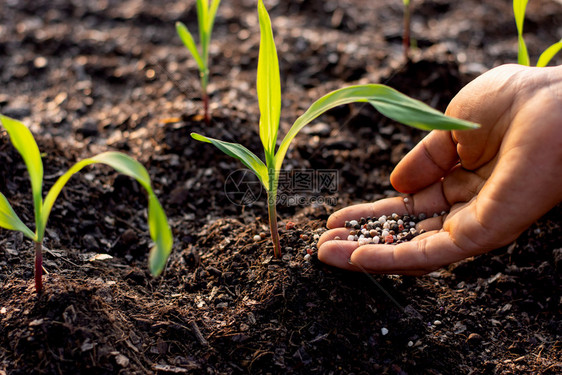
426,163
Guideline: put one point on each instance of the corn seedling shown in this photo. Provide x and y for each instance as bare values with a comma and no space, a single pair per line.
25,144
406,35
519,7
386,100
206,19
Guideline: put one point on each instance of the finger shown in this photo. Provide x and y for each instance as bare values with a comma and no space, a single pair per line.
461,185
422,256
433,223
333,234
337,253
381,207
426,164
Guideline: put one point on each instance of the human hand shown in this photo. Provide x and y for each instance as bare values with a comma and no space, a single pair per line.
494,182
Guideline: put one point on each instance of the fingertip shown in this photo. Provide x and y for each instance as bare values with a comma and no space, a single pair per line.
332,234
337,253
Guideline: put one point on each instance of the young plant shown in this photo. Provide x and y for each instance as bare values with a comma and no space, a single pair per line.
25,144
206,18
519,7
386,100
406,35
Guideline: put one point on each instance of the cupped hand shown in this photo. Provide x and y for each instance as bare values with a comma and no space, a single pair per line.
493,182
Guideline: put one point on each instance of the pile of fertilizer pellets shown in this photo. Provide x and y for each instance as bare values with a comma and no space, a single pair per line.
391,229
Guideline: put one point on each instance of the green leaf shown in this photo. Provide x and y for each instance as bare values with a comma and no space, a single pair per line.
388,101
202,17
268,84
11,221
160,231
161,234
188,41
549,53
519,7
247,157
212,14
23,141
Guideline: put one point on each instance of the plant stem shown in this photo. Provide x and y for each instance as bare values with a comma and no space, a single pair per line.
38,266
272,210
206,108
406,35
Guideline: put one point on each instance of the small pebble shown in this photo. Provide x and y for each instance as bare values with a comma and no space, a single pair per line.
290,225
263,235
350,238
337,238
309,251
307,257
410,344
257,237
437,322
384,331
353,223
316,237
305,237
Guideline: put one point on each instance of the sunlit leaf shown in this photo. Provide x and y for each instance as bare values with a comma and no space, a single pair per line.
388,101
25,144
202,12
268,84
212,14
160,231
549,53
519,7
9,219
188,41
247,157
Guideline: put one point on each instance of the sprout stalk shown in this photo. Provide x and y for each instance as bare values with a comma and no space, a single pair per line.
272,210
406,35
38,266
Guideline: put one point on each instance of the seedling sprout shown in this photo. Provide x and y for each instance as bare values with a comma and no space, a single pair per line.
25,144
206,19
406,35
386,100
519,7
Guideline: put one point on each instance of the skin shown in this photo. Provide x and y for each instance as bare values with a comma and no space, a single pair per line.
494,182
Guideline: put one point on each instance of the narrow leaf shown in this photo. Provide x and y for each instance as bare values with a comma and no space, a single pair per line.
11,221
549,53
202,16
188,41
247,157
388,101
519,7
212,14
268,84
23,141
160,232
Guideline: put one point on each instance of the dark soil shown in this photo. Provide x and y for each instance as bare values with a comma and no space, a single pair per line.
91,76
